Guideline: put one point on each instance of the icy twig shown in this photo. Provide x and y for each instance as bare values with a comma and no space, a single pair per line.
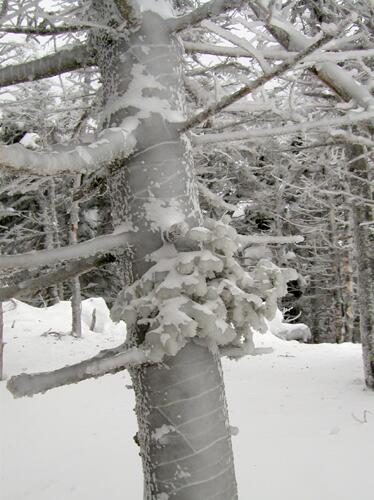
341,81
229,99
248,134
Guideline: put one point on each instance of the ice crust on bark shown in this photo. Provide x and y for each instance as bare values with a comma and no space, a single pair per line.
202,294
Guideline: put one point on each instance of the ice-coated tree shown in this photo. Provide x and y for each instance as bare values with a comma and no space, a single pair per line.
185,298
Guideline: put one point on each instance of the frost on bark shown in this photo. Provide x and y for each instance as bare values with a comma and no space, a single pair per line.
153,190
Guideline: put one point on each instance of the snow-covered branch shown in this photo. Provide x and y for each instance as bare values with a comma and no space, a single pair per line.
238,42
273,53
214,200
63,274
247,135
111,144
229,99
107,361
205,11
246,240
218,50
62,61
336,77
102,244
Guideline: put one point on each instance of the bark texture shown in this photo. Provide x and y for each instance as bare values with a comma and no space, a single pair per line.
363,244
184,435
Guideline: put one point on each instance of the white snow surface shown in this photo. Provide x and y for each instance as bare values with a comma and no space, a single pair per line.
306,422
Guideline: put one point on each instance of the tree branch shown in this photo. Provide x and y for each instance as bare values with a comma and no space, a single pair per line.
111,144
273,54
214,200
246,240
218,50
249,88
106,361
205,11
247,135
334,76
129,11
58,30
238,41
102,244
63,274
62,61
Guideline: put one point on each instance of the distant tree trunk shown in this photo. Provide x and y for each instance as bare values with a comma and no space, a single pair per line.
349,299
76,299
1,341
361,214
184,436
338,325
49,218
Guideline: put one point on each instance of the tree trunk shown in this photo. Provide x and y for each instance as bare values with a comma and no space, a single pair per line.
184,436
1,341
337,320
47,204
363,246
76,299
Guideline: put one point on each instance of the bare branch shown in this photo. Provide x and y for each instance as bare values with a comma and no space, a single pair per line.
63,274
51,65
205,11
112,144
249,88
107,361
102,244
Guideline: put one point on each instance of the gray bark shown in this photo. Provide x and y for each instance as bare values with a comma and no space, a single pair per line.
363,249
76,300
47,66
1,340
48,218
62,274
154,189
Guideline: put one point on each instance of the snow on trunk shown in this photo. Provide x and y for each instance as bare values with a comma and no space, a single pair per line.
184,435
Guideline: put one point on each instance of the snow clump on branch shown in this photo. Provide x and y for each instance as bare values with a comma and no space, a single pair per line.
203,294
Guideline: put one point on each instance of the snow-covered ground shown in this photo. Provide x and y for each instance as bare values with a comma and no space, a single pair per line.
306,424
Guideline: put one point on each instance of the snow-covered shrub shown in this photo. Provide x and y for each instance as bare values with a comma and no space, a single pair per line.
203,294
